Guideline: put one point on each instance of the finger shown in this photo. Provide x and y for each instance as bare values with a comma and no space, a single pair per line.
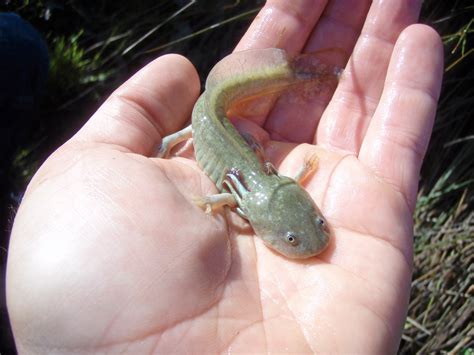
398,135
282,24
153,103
339,25
344,123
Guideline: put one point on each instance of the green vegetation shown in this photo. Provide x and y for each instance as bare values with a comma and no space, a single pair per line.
94,46
441,305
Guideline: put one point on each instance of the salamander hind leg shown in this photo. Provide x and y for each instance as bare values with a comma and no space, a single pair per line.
268,167
170,141
255,145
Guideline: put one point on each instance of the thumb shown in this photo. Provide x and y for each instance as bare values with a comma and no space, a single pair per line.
153,103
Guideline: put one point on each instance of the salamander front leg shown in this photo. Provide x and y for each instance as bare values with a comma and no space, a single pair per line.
234,182
309,167
170,141
214,202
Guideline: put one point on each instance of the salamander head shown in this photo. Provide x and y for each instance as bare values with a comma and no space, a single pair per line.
292,224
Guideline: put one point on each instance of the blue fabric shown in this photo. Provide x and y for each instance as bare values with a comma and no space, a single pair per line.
24,65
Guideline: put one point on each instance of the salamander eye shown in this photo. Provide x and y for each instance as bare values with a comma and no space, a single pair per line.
320,221
292,239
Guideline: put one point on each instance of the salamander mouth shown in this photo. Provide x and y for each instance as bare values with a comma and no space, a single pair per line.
326,230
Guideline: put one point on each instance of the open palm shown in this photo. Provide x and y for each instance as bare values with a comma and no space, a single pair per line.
109,254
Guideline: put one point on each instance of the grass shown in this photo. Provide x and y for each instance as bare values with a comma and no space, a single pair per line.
441,305
96,45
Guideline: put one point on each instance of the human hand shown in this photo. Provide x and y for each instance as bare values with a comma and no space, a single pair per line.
108,253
